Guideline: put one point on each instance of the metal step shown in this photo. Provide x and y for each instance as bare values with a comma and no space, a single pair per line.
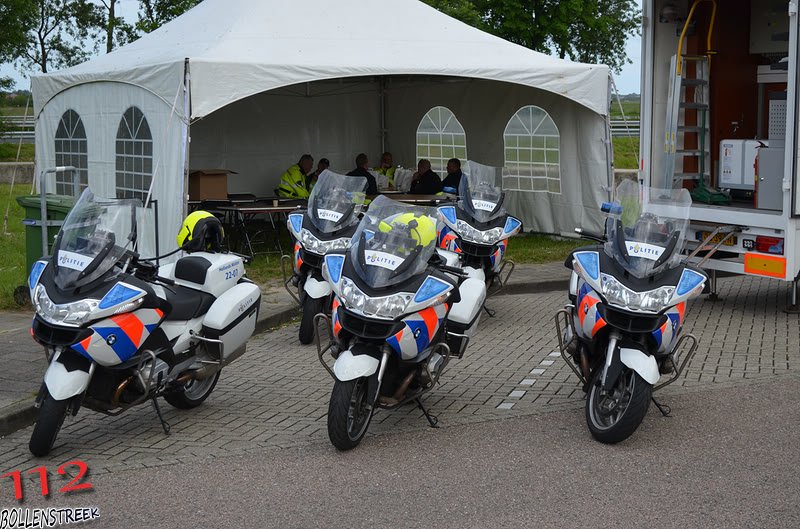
694,106
690,176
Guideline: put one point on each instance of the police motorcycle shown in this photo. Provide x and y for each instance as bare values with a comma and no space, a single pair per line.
334,208
622,329
478,227
401,311
118,331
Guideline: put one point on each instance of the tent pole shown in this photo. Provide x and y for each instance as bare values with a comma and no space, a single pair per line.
608,142
187,109
382,98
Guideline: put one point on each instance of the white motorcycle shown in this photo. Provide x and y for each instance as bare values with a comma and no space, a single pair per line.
118,332
401,312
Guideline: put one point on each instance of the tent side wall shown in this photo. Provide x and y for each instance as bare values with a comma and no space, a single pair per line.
484,108
259,137
101,106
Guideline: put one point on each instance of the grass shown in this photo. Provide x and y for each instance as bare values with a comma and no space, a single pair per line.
626,150
525,248
15,111
13,270
631,109
8,152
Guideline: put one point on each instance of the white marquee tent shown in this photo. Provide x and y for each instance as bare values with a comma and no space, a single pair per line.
249,86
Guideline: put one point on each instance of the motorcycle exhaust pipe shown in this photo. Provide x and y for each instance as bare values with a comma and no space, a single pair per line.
210,370
399,393
115,400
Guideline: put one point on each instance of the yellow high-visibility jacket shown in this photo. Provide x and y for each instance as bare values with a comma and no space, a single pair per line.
293,183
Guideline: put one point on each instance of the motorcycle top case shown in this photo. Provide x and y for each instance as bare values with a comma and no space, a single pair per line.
214,273
232,318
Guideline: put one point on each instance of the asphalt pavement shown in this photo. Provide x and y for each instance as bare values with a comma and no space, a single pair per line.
727,457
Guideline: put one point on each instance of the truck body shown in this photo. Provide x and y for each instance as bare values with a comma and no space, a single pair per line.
719,116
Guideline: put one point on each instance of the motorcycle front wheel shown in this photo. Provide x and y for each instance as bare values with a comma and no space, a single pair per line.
311,307
51,416
193,393
350,411
614,417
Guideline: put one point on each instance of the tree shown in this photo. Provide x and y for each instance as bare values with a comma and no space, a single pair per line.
54,38
101,21
155,13
16,16
463,10
593,31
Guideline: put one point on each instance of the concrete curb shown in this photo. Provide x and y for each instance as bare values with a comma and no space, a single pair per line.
22,414
17,416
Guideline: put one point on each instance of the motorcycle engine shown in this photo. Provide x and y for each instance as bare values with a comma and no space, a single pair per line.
159,370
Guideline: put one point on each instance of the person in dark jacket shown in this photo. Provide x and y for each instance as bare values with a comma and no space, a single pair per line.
362,169
453,178
425,181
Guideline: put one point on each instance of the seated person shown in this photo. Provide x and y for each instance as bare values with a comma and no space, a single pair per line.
362,164
293,182
323,164
453,178
425,181
386,168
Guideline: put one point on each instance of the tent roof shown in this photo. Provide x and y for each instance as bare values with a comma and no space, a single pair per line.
237,48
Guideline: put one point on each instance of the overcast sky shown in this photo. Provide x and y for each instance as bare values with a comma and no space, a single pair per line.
627,81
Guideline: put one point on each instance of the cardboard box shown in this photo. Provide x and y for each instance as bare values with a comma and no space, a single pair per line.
209,184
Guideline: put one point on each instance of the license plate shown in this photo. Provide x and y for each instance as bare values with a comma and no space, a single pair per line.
718,237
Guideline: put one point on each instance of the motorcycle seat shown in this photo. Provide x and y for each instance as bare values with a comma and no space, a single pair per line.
187,303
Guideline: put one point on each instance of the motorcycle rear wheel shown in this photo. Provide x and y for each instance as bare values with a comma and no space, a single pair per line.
350,411
193,393
51,417
311,307
613,418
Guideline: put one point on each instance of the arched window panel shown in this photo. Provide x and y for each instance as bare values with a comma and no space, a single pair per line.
440,137
134,160
532,152
71,149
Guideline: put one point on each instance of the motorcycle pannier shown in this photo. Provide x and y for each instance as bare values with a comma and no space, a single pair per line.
232,319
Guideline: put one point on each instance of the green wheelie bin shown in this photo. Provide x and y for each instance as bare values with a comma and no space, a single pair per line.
57,208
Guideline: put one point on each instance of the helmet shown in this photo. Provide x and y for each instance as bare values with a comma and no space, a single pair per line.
420,227
201,231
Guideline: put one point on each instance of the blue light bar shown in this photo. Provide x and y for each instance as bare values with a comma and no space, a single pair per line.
449,213
431,288
334,264
117,295
689,281
590,262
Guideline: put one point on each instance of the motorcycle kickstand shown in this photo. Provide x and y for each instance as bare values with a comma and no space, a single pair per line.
663,408
432,419
490,312
164,423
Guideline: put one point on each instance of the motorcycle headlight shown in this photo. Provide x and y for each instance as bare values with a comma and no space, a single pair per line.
471,234
313,244
70,314
652,301
386,307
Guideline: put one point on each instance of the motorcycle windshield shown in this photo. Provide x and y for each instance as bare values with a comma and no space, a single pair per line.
480,195
336,201
647,227
95,236
393,242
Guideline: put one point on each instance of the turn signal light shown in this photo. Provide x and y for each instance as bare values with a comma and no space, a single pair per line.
769,245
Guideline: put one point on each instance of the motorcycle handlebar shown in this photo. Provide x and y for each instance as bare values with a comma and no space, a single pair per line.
453,270
590,235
